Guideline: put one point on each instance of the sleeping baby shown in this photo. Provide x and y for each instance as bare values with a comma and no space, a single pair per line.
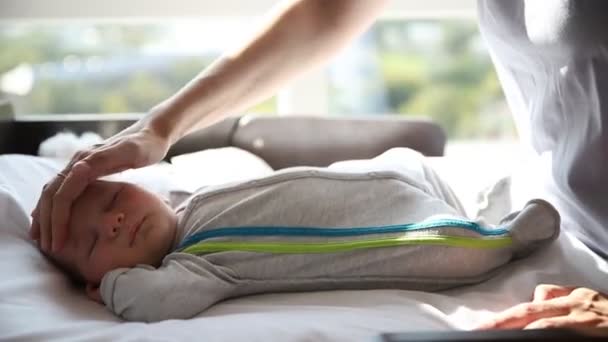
388,222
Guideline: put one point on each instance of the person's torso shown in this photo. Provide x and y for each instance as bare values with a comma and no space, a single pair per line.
552,61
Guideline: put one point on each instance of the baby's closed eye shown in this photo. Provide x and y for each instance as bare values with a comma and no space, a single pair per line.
112,200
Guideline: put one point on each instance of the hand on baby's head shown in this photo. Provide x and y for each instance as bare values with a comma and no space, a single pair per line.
115,225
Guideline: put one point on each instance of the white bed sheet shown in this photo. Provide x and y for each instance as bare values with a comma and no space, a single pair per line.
37,302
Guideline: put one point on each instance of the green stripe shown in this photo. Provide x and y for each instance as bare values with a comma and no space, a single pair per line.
330,247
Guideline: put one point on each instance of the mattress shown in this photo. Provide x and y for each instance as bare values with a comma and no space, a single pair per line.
38,303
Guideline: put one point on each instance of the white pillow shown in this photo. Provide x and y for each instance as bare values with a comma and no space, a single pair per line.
480,189
65,144
24,176
216,166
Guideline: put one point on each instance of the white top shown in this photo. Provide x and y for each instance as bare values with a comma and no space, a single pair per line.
552,62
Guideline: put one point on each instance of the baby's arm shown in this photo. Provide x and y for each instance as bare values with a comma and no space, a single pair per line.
182,287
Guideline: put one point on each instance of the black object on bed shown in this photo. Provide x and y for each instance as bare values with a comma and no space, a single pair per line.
499,335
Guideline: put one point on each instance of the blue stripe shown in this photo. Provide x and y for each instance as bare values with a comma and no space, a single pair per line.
336,232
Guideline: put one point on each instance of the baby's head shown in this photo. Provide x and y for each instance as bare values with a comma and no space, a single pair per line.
113,225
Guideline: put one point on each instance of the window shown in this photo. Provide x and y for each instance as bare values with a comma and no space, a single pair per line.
107,67
438,68
422,59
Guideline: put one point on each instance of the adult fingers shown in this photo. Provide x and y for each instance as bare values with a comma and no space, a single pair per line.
97,164
588,300
111,159
584,292
523,314
61,204
44,207
40,222
545,292
35,226
565,321
44,212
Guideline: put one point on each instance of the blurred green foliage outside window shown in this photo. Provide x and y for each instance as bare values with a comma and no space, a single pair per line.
436,68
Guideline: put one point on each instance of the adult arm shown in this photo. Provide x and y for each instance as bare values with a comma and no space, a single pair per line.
299,36
296,37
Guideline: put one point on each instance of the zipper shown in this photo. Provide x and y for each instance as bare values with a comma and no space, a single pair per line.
331,247
337,232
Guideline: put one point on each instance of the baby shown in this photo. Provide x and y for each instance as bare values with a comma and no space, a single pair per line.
388,222
114,225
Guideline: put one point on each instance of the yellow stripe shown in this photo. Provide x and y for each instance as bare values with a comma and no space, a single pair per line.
330,247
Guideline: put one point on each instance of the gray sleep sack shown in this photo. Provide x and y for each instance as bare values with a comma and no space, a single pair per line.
310,229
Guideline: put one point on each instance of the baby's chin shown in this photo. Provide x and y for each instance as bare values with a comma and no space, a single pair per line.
167,235
156,251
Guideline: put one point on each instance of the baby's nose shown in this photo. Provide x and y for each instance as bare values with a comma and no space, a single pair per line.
113,224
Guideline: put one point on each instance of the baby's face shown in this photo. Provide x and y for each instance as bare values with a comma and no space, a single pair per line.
115,225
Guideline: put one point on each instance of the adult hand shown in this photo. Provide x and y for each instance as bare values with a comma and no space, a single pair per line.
134,147
555,306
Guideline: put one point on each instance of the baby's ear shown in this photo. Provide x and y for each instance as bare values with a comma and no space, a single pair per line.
93,292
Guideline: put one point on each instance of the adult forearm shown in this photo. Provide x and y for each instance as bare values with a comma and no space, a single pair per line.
298,36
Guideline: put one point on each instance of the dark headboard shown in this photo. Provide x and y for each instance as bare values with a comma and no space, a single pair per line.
280,140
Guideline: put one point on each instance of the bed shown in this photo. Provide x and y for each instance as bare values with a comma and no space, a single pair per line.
38,303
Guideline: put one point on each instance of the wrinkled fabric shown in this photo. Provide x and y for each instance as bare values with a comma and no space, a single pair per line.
552,60
348,198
